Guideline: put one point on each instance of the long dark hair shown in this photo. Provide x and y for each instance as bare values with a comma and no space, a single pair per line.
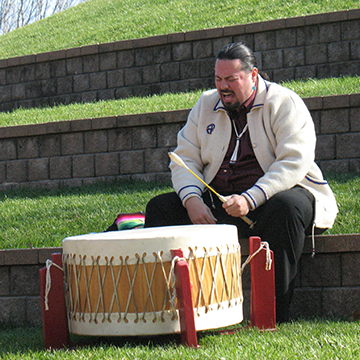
240,51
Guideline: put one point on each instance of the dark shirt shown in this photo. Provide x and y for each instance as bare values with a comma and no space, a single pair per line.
240,176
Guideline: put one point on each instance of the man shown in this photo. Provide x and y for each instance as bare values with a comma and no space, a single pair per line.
254,142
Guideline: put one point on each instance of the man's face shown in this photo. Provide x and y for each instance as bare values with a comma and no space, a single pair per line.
233,84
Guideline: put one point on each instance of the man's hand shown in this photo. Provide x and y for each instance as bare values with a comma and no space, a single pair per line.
236,205
199,213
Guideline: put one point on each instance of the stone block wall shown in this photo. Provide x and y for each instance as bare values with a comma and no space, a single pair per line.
322,45
20,286
135,147
327,285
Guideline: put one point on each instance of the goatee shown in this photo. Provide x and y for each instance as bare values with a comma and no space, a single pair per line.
232,107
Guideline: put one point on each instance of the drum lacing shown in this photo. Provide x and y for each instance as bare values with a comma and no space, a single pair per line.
83,274
214,271
101,281
223,264
131,292
209,273
115,294
268,263
169,281
235,285
149,283
49,263
77,279
173,279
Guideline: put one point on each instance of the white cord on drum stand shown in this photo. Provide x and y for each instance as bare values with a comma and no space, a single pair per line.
263,245
49,263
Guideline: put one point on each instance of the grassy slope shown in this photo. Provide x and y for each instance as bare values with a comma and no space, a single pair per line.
165,102
48,216
101,21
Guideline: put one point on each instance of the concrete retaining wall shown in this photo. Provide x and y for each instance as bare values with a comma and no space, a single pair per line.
135,146
328,284
322,45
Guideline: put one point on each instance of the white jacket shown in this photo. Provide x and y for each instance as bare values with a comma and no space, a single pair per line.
283,137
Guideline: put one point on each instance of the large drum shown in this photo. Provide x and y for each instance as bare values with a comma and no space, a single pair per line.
122,282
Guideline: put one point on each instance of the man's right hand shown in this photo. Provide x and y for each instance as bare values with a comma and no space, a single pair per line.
199,213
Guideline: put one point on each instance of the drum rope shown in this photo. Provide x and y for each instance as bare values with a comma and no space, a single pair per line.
201,288
268,263
74,295
149,284
131,290
49,263
208,271
231,263
173,279
200,276
115,296
214,270
87,280
224,266
168,280
100,306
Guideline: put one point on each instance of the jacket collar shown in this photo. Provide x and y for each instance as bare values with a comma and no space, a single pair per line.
262,89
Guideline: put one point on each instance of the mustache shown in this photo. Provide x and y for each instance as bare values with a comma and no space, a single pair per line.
226,92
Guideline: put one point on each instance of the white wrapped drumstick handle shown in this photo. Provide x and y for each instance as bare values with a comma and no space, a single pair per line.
177,160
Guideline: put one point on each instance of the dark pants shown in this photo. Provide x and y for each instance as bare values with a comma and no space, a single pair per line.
283,221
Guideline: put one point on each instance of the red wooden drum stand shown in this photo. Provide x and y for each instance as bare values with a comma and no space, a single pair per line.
262,300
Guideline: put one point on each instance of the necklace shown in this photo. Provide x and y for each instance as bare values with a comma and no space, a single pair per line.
238,138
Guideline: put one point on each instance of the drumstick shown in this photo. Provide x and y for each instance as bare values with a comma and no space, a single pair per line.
177,160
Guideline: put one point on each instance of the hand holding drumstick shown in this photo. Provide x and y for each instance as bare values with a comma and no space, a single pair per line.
177,160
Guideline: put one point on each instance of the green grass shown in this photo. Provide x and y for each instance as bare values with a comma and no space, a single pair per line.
133,105
347,191
316,339
325,87
42,218
101,21
165,102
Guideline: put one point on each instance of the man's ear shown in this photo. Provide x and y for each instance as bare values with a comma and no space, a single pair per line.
254,73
